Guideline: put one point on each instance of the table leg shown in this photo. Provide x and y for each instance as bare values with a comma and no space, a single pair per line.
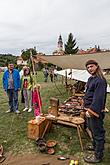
79,135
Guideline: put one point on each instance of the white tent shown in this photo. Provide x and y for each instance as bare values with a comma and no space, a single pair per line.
80,75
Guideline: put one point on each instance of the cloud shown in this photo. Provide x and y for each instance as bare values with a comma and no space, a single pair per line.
29,23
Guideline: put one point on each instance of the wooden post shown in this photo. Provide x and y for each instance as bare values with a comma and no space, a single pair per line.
62,79
33,67
66,78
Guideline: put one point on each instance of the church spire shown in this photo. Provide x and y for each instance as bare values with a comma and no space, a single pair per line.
60,43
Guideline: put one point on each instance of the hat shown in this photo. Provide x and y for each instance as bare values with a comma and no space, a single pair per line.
91,62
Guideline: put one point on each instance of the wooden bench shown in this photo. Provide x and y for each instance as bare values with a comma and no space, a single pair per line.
76,122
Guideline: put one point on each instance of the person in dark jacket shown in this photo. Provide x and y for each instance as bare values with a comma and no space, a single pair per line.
46,73
11,86
94,104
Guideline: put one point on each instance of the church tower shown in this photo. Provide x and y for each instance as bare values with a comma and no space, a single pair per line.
60,43
59,51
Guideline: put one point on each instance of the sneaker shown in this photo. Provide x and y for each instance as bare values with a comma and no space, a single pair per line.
30,109
8,111
25,109
17,112
91,159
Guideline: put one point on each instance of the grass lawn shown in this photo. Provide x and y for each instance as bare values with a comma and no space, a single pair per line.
13,128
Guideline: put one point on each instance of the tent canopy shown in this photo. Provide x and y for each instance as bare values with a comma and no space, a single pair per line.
80,75
78,61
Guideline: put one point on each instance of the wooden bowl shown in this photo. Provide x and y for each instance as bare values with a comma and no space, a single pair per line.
51,151
51,143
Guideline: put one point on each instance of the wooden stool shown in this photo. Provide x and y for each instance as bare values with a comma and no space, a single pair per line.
70,121
78,121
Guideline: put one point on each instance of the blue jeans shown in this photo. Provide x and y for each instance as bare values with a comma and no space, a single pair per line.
13,99
98,133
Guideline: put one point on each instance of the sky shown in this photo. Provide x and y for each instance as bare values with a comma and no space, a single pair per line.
28,23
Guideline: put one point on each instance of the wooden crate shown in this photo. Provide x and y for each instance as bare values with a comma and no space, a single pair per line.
36,129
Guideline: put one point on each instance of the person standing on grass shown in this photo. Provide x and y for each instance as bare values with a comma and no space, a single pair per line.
46,73
11,86
51,73
55,74
94,104
26,86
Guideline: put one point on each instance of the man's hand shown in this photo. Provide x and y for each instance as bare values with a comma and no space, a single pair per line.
88,114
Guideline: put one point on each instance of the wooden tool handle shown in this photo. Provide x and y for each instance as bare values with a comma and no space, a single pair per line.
92,112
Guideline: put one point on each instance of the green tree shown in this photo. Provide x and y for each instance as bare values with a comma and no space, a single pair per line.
26,53
7,58
70,45
26,56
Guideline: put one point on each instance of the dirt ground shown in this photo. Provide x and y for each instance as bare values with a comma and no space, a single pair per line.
34,159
